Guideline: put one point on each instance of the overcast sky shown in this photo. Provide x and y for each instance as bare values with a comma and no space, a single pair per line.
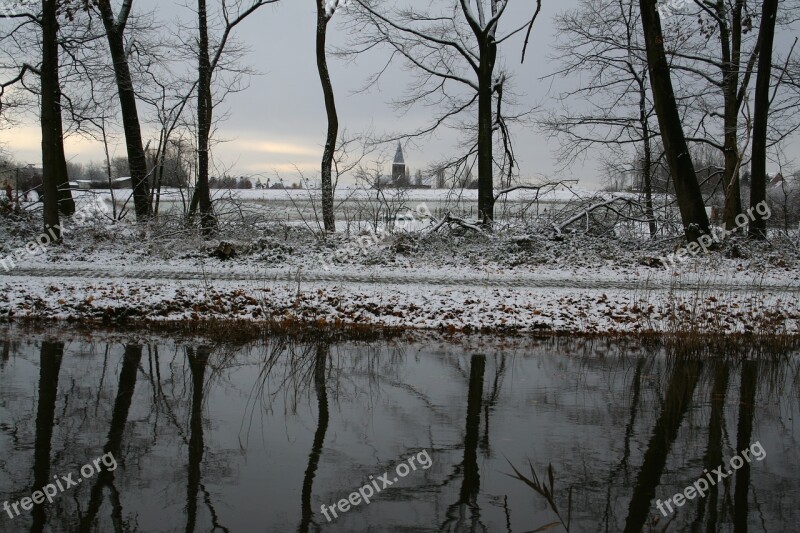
279,121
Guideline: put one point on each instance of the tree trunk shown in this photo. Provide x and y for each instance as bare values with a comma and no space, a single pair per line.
758,170
687,190
130,116
328,217
204,109
485,132
731,59
57,196
647,161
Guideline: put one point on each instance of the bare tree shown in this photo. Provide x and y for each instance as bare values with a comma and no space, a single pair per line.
758,190
57,196
599,44
233,13
115,33
168,95
454,47
326,9
687,190
714,81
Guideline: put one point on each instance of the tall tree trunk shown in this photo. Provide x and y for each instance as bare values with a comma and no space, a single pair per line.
137,162
328,218
731,40
57,196
647,160
485,130
204,110
758,169
687,190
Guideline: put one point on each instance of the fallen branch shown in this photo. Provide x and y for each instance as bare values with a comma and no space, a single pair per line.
449,219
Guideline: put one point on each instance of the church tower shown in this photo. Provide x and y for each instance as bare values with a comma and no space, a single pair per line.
399,176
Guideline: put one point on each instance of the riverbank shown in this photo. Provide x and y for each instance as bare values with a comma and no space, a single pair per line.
103,297
455,281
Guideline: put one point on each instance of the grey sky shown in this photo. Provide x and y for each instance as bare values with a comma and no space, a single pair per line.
283,108
279,121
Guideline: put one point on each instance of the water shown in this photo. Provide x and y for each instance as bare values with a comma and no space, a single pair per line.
258,436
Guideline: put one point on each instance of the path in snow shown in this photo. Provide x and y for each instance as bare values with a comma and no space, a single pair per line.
381,278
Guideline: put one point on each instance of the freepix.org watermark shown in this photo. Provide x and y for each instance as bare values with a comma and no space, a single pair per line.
362,244
701,486
375,486
37,246
60,485
717,235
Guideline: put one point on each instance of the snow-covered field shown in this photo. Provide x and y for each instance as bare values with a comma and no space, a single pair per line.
454,279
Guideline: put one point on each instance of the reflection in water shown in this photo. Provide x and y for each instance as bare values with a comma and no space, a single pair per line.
320,387
49,367
256,437
197,368
471,479
713,456
744,436
676,402
122,405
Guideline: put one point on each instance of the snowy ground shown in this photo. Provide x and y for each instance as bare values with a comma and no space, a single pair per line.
452,280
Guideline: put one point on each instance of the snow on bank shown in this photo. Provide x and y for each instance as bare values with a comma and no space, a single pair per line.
453,279
457,308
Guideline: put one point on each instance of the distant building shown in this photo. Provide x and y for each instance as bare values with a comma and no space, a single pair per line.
400,178
399,175
776,180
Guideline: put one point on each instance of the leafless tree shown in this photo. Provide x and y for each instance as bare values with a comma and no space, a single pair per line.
687,189
57,196
758,171
115,27
232,13
326,9
453,46
599,47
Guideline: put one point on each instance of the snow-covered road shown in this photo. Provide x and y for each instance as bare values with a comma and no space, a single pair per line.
377,277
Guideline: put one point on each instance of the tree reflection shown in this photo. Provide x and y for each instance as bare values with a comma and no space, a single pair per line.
119,419
198,362
320,362
471,480
744,436
49,367
679,394
713,454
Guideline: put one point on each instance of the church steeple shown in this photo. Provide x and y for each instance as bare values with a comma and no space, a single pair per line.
399,176
399,159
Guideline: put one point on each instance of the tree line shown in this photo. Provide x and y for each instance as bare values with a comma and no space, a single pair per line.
652,86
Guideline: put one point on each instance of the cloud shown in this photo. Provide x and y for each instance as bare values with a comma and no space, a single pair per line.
283,168
270,147
25,144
